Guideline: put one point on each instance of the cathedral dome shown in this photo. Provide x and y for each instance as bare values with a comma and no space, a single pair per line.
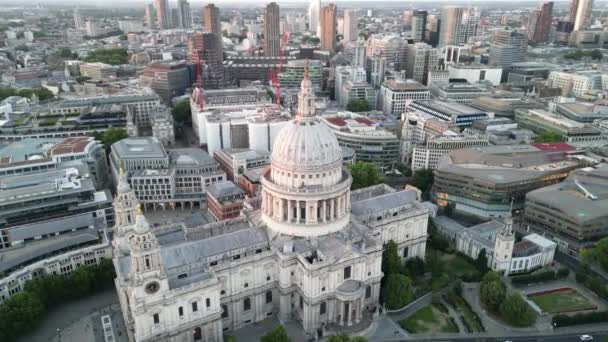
306,144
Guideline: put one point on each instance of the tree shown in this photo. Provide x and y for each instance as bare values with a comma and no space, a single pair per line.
358,105
82,280
364,175
515,311
181,111
492,291
112,135
113,56
422,179
66,53
596,55
277,334
414,267
548,136
481,262
398,291
391,263
597,254
344,337
20,313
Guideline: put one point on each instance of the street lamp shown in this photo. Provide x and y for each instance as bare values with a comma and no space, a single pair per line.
58,335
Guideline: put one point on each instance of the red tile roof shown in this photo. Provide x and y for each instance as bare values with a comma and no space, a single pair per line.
554,146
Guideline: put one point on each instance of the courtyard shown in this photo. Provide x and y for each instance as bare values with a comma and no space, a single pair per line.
430,319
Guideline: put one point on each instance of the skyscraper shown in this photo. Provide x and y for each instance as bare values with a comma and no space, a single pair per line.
149,16
328,27
163,14
457,25
539,23
203,45
272,34
419,25
77,19
211,16
174,22
507,47
420,59
351,21
314,16
582,20
184,16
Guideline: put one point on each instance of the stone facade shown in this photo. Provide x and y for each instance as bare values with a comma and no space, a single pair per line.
301,257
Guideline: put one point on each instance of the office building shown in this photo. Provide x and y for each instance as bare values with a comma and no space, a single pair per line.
573,212
540,120
149,17
292,73
507,47
463,93
236,161
246,126
203,46
427,156
351,22
272,34
98,71
211,18
397,95
504,104
167,79
579,83
583,10
225,200
458,24
163,14
419,26
539,23
78,23
314,17
475,73
184,15
456,114
583,111
351,84
92,28
370,142
420,59
377,70
164,178
490,182
270,256
328,27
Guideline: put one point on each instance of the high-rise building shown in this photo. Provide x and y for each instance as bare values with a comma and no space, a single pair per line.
420,59
204,45
314,14
457,25
211,16
539,23
272,34
168,79
77,19
149,16
407,17
419,25
351,21
582,20
328,27
184,16
163,14
174,22
507,47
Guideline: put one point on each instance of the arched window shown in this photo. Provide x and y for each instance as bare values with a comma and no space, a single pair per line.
269,297
246,304
197,334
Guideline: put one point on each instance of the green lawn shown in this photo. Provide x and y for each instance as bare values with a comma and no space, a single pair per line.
561,301
429,320
457,266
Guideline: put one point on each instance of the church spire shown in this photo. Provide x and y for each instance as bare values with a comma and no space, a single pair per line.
306,98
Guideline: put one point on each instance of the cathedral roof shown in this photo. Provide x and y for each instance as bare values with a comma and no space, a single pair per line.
306,143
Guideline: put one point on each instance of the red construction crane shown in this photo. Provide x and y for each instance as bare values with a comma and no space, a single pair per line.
199,83
274,75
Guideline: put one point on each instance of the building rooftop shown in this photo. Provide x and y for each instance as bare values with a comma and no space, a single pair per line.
583,196
383,202
407,85
224,189
190,157
139,148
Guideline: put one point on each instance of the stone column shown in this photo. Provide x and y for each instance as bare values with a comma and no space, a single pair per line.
282,209
324,210
289,210
341,313
331,209
298,212
360,309
350,314
315,211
